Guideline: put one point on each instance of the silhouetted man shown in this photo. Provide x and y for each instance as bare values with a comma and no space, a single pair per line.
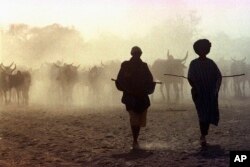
205,79
136,82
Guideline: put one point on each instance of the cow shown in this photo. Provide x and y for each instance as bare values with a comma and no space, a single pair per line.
224,66
95,78
25,86
237,67
110,70
19,81
5,72
170,66
96,82
67,77
248,74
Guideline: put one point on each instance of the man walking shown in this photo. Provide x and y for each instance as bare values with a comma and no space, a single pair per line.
136,82
205,79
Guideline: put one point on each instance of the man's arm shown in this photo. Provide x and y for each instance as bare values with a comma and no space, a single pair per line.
148,74
120,78
150,80
218,78
191,75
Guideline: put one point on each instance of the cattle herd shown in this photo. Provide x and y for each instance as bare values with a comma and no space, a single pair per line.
18,81
237,87
60,83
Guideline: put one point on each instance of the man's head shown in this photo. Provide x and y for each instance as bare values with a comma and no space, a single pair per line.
202,47
136,51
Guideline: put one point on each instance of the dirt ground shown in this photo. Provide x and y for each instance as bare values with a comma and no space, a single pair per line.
38,136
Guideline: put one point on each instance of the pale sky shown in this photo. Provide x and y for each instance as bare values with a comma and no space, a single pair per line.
126,17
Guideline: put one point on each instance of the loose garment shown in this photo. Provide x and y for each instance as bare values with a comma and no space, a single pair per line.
138,119
205,79
136,82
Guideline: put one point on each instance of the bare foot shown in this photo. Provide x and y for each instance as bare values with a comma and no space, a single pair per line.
203,141
135,146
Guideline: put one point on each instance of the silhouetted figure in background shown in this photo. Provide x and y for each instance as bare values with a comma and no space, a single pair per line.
136,82
205,79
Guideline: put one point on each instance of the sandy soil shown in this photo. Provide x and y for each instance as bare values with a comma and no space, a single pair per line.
39,136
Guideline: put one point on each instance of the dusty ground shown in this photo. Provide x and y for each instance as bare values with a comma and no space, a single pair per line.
36,136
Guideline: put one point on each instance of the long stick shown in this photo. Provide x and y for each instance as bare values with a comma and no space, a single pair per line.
112,79
237,75
180,76
224,76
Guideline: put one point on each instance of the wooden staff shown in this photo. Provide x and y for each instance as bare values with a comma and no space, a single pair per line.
237,75
224,76
112,79
172,75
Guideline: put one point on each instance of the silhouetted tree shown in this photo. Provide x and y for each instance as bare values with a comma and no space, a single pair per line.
37,44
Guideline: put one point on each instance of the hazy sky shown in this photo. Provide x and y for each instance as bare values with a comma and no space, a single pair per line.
126,17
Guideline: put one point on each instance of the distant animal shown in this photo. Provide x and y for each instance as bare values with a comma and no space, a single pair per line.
170,66
5,72
20,82
95,78
224,66
237,67
67,77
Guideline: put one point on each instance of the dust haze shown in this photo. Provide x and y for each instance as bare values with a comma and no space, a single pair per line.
59,106
45,51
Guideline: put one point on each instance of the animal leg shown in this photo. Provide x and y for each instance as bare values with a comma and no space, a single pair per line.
162,93
176,90
167,86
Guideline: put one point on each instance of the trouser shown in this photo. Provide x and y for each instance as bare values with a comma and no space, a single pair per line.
204,128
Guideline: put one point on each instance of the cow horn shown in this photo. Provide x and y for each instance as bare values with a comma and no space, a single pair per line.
2,67
185,58
13,69
11,64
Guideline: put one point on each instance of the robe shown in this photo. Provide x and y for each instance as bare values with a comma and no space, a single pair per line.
136,82
205,79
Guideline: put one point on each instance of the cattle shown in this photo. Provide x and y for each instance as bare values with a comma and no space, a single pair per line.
95,82
170,66
19,82
25,86
237,67
224,66
45,79
110,70
96,76
248,75
66,78
5,72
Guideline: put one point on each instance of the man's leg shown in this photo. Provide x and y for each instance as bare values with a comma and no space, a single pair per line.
204,127
135,132
137,120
